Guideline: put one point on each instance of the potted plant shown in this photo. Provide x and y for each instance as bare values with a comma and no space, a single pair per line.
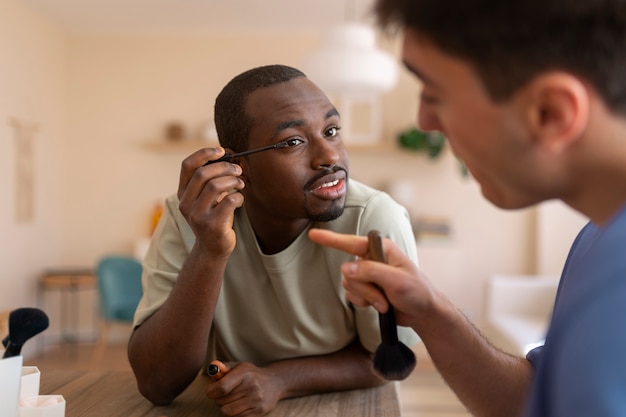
419,141
432,143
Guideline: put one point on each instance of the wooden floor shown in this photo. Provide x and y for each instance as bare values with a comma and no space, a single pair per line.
423,394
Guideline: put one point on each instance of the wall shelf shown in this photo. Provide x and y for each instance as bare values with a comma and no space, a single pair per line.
182,145
378,147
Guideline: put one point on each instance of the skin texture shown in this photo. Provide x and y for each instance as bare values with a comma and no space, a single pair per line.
552,138
282,190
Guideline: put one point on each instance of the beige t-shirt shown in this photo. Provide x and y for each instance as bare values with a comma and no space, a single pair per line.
290,304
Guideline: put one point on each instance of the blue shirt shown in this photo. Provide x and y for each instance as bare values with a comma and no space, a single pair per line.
581,369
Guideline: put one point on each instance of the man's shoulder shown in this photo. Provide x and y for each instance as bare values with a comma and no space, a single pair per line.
360,195
367,208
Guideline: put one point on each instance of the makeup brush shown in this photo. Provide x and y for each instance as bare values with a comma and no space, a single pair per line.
229,156
24,323
393,360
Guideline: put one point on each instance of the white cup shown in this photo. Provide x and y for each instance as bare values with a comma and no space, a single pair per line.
42,406
10,381
30,381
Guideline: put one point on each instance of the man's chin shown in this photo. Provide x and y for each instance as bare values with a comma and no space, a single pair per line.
327,216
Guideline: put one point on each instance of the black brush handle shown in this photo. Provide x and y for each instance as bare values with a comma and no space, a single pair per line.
388,327
387,321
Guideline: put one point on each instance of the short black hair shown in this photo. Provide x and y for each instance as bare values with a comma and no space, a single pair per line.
509,42
231,121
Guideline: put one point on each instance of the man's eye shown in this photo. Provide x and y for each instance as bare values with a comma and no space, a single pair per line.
332,131
294,142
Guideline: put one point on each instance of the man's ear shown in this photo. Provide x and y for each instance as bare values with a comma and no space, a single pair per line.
559,110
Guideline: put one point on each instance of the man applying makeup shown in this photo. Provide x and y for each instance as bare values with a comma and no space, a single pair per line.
231,274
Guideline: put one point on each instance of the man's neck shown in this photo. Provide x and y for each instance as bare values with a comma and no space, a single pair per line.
274,235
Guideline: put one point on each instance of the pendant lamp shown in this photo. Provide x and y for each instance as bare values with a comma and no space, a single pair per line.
348,63
350,67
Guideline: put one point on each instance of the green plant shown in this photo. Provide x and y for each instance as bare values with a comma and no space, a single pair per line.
430,142
419,141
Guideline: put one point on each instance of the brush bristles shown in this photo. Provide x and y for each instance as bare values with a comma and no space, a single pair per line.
25,323
394,362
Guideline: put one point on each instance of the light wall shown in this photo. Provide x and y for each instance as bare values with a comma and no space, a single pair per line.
33,81
100,100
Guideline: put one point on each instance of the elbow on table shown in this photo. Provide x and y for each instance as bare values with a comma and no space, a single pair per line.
160,387
155,396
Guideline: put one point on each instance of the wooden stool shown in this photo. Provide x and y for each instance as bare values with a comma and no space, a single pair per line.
68,282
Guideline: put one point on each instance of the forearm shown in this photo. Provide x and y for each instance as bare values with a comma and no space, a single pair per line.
349,368
488,381
169,348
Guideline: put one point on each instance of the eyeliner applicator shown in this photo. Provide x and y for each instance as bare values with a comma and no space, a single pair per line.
229,156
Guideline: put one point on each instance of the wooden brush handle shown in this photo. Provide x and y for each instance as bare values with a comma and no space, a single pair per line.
375,246
387,321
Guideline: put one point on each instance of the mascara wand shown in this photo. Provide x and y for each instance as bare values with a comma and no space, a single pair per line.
393,360
227,157
24,323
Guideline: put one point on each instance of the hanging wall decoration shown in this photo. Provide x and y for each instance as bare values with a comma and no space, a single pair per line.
24,134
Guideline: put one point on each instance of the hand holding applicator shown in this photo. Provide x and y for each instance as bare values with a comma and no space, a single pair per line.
393,359
24,323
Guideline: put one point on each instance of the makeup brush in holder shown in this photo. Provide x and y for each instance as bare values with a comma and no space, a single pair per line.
24,323
393,360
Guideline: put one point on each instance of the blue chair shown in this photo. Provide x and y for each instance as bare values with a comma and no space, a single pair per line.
119,289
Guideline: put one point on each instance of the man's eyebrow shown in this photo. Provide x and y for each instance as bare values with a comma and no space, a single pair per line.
287,125
332,112
419,74
297,123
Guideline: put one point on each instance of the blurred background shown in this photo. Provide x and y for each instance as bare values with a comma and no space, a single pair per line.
101,100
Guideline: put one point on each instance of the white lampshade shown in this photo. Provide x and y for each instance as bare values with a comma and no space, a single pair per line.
348,63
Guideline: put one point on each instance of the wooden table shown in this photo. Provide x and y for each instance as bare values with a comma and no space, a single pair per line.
114,394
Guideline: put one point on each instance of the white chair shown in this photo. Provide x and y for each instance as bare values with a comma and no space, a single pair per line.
518,310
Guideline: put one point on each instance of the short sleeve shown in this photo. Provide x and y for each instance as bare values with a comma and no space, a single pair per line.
170,245
589,360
